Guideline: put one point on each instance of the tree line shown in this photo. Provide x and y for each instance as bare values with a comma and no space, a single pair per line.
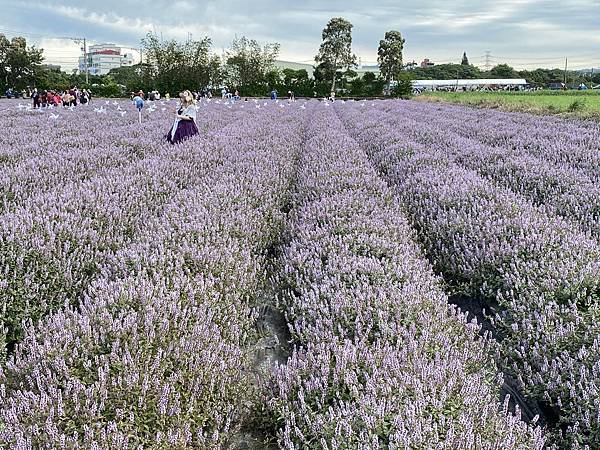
250,67
536,77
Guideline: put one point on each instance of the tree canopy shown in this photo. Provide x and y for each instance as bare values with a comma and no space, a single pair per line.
390,55
335,52
174,66
249,64
20,65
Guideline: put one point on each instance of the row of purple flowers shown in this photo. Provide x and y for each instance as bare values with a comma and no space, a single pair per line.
139,302
382,362
493,244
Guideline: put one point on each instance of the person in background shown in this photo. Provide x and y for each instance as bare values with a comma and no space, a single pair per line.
274,94
56,99
138,100
66,99
184,125
35,95
72,96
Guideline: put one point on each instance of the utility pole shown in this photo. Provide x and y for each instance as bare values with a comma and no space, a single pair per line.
488,56
456,89
85,62
79,40
565,81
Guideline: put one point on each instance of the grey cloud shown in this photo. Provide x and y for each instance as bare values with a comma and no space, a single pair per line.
438,29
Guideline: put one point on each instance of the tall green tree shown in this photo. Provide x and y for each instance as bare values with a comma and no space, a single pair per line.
335,52
4,45
20,65
390,55
248,63
174,66
465,60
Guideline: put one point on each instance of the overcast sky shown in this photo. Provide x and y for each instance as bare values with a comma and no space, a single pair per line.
523,33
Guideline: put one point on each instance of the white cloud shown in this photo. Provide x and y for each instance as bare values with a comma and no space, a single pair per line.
439,29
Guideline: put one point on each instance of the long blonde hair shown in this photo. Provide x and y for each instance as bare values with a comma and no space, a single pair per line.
186,98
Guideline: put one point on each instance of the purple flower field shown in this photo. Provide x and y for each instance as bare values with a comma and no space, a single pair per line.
135,276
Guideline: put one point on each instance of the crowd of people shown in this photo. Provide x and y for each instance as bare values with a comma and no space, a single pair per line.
184,125
67,98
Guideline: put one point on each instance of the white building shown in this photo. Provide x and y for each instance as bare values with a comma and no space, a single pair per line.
102,58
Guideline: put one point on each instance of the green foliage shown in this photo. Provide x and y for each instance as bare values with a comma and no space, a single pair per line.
537,77
133,78
176,66
250,65
335,51
291,76
576,105
403,88
20,65
372,86
107,89
390,55
580,103
369,77
543,77
297,81
448,72
503,71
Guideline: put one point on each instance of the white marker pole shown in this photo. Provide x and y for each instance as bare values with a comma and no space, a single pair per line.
140,115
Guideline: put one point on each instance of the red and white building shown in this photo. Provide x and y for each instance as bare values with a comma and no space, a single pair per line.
102,58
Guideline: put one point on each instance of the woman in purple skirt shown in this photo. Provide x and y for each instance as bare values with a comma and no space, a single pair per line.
184,126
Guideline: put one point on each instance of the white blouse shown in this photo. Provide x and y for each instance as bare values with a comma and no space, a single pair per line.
190,111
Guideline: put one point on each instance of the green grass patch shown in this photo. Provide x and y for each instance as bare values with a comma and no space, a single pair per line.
580,103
